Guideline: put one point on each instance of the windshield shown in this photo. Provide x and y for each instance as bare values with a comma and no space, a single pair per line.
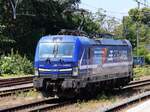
50,50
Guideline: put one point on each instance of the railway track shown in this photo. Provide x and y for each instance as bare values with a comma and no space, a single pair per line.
139,81
132,100
25,80
42,105
12,91
135,84
15,81
129,101
12,86
49,104
4,92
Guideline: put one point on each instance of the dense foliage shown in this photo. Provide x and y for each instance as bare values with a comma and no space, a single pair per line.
36,18
137,19
140,72
42,17
15,64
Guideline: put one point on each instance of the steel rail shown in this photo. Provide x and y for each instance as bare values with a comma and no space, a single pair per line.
15,78
15,91
12,91
47,107
43,106
127,102
139,81
8,91
132,100
37,105
15,81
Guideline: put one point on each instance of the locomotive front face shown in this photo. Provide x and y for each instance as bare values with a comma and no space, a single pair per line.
56,60
56,64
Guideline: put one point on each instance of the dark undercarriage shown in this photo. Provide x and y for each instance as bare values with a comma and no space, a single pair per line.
74,88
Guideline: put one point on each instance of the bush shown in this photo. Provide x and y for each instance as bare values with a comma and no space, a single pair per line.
15,64
141,71
147,58
144,52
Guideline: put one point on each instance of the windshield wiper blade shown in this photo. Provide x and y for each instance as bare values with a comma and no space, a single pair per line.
54,50
61,61
48,60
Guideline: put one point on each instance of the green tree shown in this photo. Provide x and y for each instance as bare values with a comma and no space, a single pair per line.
34,19
106,23
137,18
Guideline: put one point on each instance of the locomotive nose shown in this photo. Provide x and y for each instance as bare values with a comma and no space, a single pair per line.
57,69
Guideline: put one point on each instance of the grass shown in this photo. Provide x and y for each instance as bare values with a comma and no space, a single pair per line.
141,72
106,97
31,93
101,98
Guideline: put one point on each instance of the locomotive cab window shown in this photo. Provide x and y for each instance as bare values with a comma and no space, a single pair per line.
58,50
65,50
46,50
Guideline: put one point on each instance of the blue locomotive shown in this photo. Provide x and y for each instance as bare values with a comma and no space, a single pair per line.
67,64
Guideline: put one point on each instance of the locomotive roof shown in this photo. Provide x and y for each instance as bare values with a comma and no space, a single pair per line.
114,42
67,38
83,40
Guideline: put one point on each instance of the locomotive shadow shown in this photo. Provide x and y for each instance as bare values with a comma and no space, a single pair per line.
110,94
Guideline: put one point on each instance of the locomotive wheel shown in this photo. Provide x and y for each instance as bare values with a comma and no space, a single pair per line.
67,94
89,92
47,94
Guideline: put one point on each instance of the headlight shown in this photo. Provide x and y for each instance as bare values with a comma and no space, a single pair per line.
36,72
75,71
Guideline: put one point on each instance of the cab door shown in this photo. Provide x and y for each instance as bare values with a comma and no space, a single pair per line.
89,61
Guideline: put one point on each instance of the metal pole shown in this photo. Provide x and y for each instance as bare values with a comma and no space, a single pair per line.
137,32
124,27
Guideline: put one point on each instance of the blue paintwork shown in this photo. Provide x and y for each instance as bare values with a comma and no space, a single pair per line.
80,44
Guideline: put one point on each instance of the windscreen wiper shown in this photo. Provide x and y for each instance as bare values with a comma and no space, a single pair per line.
55,50
61,61
48,60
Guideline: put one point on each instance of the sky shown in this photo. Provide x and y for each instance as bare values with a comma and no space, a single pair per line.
114,8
